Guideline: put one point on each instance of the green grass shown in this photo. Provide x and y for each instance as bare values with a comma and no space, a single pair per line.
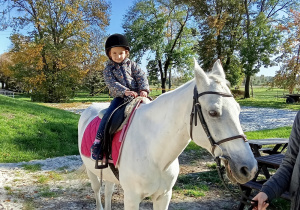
31,131
191,186
32,168
282,132
85,97
265,97
47,193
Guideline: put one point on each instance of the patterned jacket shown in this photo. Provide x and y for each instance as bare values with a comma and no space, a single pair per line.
124,76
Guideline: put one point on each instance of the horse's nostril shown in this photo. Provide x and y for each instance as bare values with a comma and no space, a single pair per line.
245,171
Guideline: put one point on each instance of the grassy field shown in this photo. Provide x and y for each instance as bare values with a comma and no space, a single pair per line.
265,97
31,131
85,97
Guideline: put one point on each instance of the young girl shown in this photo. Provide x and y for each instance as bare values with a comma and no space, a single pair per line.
123,77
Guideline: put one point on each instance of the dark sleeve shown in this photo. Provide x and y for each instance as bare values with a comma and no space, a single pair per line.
140,77
280,181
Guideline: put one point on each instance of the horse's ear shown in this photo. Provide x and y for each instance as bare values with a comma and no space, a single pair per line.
218,69
200,75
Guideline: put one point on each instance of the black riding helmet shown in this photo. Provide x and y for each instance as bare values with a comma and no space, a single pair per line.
116,40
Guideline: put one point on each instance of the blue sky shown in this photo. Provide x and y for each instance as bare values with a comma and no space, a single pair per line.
118,9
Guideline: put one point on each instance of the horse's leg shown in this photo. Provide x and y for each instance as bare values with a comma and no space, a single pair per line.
131,200
96,186
109,189
162,201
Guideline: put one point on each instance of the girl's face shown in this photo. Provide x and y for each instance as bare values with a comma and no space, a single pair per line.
118,54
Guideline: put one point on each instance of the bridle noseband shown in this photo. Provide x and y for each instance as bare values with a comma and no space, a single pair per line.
196,110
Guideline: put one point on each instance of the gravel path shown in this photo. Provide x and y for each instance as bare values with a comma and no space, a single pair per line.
19,189
253,119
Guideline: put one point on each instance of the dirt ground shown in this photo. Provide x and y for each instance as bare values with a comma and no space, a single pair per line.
64,188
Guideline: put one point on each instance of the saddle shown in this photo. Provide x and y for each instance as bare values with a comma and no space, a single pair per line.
115,123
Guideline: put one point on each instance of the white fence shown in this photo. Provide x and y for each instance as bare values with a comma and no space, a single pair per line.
7,93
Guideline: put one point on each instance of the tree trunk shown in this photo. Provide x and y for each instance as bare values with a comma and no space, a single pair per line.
227,63
162,77
166,67
170,82
163,85
92,90
247,87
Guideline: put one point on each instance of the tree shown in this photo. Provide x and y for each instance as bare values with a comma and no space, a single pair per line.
50,59
219,25
288,76
5,71
261,37
95,64
162,29
239,31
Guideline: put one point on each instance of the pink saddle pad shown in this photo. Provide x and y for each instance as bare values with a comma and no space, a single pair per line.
90,135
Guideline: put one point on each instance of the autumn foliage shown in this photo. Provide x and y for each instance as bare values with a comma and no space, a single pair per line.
50,61
288,76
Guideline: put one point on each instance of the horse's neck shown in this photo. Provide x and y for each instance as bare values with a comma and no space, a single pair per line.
168,124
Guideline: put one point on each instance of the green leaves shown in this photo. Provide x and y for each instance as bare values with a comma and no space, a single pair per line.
162,30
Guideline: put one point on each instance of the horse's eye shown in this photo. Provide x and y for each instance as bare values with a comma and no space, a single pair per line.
213,113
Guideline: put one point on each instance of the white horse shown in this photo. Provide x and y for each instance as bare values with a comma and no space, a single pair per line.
160,131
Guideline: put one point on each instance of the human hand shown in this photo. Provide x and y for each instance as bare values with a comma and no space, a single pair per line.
143,93
131,93
262,198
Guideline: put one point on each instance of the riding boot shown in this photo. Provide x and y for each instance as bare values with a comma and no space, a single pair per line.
96,150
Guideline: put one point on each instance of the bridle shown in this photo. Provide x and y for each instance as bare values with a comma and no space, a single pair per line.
197,111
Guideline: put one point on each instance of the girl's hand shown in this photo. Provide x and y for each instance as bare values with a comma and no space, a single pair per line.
143,93
261,198
130,93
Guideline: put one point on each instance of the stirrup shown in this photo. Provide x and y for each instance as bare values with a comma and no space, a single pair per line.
101,166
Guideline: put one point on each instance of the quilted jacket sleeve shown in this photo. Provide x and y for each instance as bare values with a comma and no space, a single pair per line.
115,87
140,77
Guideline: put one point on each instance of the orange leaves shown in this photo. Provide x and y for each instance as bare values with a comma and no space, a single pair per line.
218,21
290,69
29,56
5,63
36,81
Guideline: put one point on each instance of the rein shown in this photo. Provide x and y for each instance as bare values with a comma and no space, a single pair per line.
197,111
